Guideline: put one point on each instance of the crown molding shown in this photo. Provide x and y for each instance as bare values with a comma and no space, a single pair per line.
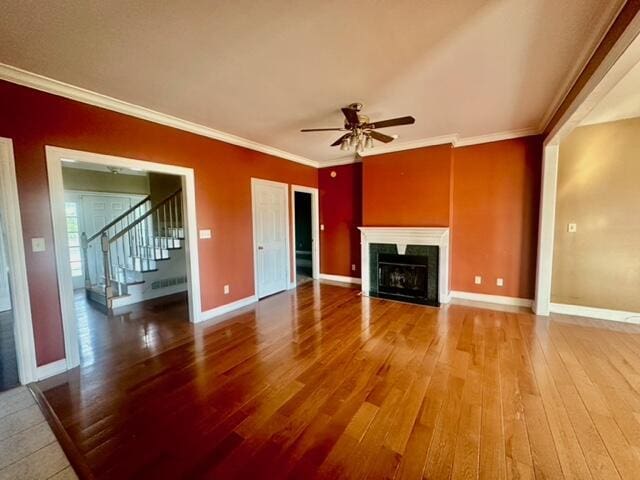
56,87
496,137
423,142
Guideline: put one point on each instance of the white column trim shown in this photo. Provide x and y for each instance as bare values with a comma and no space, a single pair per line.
20,299
546,229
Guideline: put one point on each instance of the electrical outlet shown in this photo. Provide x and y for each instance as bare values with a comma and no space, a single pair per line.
500,282
572,228
477,280
205,234
226,289
322,226
353,267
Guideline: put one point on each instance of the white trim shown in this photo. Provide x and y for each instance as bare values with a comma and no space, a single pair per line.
56,197
594,312
623,56
229,307
401,237
546,228
495,299
45,84
20,300
315,227
285,188
496,137
51,369
574,74
340,278
454,139
49,85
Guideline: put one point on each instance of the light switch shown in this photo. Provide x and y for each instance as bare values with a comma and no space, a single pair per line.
37,244
572,228
205,234
322,226
477,280
500,282
226,289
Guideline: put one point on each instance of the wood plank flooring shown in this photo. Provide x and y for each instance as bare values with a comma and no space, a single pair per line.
320,382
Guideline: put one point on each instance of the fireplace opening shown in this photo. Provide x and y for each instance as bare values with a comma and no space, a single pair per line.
404,277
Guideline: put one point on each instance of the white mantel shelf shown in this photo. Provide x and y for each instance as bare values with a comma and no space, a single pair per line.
401,237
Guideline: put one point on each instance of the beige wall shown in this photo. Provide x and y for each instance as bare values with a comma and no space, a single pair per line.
599,190
94,181
162,185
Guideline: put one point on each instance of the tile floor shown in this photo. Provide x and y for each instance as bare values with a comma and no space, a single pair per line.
28,448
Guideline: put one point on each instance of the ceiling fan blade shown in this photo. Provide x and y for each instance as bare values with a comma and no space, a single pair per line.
392,122
323,130
351,115
339,141
381,137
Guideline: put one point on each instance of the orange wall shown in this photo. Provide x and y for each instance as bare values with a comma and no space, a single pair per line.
496,188
341,215
409,188
223,192
488,194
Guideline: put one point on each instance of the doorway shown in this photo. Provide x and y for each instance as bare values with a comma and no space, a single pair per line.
138,238
270,211
306,233
8,355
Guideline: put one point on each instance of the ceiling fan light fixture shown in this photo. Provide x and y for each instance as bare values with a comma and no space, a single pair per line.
352,140
344,145
360,145
369,142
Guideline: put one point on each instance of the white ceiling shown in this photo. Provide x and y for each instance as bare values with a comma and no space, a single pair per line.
102,168
622,101
263,70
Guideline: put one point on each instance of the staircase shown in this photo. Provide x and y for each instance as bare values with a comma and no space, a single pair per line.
116,257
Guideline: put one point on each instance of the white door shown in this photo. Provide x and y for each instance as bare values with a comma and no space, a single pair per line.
270,233
5,291
98,211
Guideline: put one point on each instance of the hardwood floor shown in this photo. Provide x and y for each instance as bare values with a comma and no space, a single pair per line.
322,383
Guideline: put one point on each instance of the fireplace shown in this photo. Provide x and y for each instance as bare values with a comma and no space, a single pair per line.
409,264
403,277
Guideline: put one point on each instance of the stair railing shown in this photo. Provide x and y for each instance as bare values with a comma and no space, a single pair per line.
144,241
99,242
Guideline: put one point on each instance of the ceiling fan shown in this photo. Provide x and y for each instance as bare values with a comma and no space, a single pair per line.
361,132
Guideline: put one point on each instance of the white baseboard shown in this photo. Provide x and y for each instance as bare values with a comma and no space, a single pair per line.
340,278
292,285
229,307
594,312
497,299
51,369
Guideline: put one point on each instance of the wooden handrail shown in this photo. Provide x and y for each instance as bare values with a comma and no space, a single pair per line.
153,209
117,219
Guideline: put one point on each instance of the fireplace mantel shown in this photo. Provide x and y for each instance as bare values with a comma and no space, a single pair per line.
401,237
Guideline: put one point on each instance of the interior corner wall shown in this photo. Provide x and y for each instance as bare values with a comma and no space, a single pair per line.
598,190
340,215
488,194
33,119
495,205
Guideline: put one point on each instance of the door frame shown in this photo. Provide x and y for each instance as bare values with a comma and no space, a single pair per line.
55,156
315,228
21,303
285,187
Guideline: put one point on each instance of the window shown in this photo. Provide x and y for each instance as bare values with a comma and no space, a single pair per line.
73,234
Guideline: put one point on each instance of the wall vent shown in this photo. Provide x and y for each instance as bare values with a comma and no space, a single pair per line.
168,282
